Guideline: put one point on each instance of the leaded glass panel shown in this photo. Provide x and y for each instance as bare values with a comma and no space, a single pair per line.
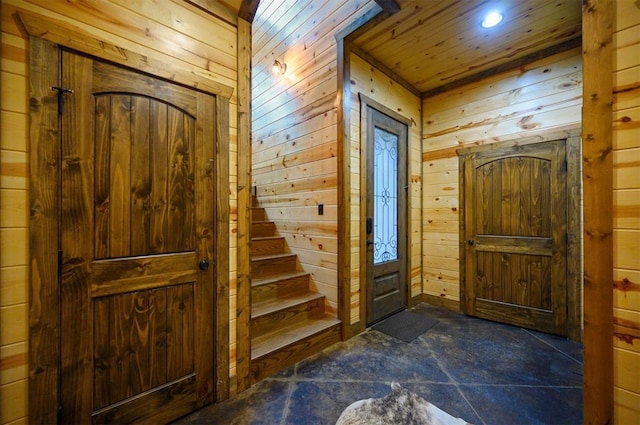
385,196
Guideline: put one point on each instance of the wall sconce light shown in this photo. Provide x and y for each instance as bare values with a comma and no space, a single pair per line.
279,68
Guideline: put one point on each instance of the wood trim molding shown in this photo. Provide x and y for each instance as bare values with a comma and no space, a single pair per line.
243,288
386,70
597,150
574,218
542,137
447,303
344,187
367,101
44,228
248,10
217,9
365,104
574,238
453,151
389,6
68,35
517,63
221,252
44,341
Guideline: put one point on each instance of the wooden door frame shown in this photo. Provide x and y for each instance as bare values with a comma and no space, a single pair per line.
574,219
365,104
46,37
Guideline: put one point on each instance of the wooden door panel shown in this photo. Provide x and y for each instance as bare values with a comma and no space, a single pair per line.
142,146
386,251
514,278
504,210
515,221
137,344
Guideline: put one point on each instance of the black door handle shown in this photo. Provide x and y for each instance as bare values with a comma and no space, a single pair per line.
204,265
471,242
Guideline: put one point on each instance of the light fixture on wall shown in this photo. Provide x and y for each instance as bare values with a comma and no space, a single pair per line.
492,19
279,68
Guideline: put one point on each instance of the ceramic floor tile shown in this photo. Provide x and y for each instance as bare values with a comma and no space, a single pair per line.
373,356
483,372
320,403
526,405
570,348
262,404
482,352
446,397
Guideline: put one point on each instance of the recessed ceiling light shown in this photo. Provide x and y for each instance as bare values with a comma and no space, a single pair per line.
491,19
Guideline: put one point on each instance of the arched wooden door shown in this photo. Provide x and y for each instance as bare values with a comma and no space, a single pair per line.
514,235
136,240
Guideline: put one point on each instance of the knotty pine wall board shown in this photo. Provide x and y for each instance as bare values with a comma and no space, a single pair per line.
542,96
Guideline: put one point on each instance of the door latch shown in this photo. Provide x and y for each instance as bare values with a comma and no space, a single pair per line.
61,91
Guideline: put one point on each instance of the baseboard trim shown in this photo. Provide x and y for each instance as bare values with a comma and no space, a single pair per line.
447,303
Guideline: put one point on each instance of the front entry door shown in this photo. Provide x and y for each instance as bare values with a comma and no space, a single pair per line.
137,233
514,235
386,215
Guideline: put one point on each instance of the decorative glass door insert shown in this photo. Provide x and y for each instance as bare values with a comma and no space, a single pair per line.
385,196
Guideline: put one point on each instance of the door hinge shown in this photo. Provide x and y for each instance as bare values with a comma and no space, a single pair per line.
59,260
61,91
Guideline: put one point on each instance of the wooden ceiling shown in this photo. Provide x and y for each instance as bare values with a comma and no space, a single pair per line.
433,44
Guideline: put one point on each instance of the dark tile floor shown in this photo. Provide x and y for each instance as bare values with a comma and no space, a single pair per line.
480,371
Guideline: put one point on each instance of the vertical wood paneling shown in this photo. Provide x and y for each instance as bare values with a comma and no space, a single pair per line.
141,321
140,178
102,174
101,350
158,230
119,176
158,337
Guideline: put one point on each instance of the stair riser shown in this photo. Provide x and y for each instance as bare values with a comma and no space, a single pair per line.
258,214
262,229
281,289
272,363
272,266
309,310
267,246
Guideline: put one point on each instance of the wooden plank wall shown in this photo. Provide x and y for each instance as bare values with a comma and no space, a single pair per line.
626,210
294,127
373,83
207,47
540,97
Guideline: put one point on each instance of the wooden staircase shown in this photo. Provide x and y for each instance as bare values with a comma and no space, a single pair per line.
288,319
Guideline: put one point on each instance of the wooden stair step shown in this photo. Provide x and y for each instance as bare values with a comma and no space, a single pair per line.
297,303
280,286
294,335
263,228
272,264
277,313
267,245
